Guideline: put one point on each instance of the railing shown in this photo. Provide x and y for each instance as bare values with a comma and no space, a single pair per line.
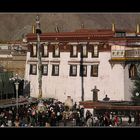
125,53
118,53
132,53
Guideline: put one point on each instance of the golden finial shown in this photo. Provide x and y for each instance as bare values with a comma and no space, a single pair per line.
33,29
138,28
113,27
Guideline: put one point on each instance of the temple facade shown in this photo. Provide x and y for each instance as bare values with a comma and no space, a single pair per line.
74,63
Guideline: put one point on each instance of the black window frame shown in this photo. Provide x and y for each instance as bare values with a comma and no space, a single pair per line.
133,75
120,34
45,74
53,70
71,71
92,68
93,52
31,69
81,71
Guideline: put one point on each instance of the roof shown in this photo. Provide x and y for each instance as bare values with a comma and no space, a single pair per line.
110,105
85,35
11,42
81,34
100,31
5,52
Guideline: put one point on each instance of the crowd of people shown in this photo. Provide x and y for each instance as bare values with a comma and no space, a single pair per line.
104,119
110,119
55,113
52,113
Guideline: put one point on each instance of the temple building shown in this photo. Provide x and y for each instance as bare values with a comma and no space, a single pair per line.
74,63
13,57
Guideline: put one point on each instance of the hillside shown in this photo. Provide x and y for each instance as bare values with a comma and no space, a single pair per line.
14,25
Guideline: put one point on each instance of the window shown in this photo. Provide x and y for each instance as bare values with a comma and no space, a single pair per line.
55,70
74,51
45,50
94,70
56,52
83,70
132,71
73,70
33,69
120,34
45,69
33,51
84,52
95,51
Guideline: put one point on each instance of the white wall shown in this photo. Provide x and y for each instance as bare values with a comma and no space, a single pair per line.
110,81
117,82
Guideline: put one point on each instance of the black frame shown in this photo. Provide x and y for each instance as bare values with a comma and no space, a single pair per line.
71,70
92,68
93,50
43,69
81,70
133,67
53,70
31,69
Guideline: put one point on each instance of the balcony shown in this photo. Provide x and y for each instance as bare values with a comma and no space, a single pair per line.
118,54
132,53
124,57
125,54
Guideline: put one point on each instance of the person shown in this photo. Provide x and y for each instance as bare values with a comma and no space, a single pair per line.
82,121
2,125
47,124
53,119
89,122
58,117
88,114
9,123
106,120
137,119
65,117
120,120
129,120
116,120
94,121
16,123
75,106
